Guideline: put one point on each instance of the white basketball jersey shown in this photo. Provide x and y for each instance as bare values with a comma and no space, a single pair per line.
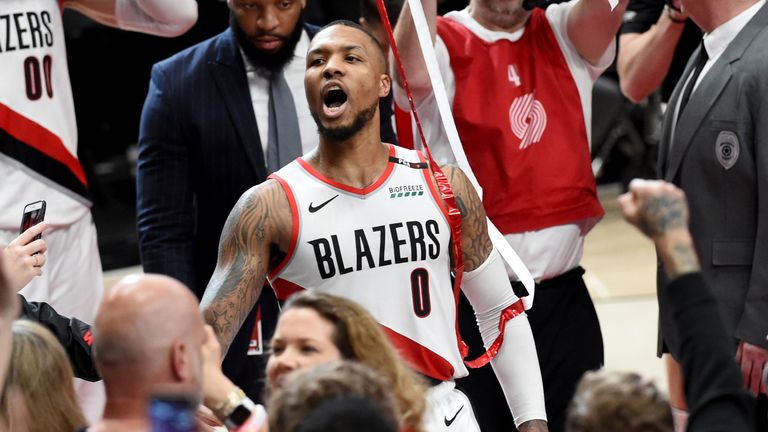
385,247
38,132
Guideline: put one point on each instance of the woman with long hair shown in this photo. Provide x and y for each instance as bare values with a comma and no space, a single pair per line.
316,328
38,395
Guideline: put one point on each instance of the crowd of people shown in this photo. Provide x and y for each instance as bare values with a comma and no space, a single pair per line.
311,253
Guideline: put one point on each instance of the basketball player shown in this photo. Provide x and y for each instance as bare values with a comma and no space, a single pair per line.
362,219
38,141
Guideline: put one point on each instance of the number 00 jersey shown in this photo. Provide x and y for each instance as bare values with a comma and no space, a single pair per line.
385,247
38,132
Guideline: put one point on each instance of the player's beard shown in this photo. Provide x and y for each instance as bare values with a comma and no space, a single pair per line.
343,133
271,62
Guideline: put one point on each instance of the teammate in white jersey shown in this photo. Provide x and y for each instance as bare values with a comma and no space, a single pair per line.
38,143
339,220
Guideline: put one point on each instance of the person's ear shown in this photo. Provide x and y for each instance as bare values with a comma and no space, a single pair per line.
180,363
385,83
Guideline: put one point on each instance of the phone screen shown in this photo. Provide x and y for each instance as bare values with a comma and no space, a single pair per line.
172,414
34,213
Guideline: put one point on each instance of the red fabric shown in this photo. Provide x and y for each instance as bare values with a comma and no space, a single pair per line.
404,128
421,359
507,314
517,112
41,139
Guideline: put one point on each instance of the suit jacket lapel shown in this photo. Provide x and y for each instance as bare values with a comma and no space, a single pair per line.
666,130
228,70
707,93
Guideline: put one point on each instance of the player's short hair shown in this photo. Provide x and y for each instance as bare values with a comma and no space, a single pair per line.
370,35
618,401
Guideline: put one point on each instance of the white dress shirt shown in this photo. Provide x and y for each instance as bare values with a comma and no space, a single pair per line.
258,84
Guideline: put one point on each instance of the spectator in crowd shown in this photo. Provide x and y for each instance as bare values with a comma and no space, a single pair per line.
147,339
334,328
38,144
340,396
38,395
698,338
656,40
520,86
711,147
9,310
22,260
199,151
618,401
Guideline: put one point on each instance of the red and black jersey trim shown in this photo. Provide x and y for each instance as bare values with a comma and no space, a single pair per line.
41,151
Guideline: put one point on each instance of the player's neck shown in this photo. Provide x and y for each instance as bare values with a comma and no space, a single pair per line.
357,162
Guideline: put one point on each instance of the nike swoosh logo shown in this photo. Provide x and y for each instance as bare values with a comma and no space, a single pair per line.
450,422
313,208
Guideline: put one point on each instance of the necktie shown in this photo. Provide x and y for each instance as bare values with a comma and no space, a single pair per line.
702,60
284,141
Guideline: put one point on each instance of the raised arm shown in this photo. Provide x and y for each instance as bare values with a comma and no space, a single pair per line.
592,26
167,18
408,43
254,231
489,291
644,58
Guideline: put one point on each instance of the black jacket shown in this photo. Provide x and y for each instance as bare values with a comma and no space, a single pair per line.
73,334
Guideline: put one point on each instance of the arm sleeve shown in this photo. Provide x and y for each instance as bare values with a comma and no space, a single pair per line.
74,335
516,364
164,194
157,17
716,398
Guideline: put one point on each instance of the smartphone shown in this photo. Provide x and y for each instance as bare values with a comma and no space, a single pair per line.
34,213
172,413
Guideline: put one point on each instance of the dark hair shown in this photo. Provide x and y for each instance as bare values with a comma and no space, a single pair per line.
354,25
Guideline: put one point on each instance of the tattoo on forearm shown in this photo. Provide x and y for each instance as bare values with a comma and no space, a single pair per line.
682,260
663,213
242,265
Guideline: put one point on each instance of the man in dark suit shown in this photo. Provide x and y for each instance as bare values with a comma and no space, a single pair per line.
215,122
713,147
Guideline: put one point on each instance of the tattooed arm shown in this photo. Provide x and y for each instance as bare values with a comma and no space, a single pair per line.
660,211
475,242
255,228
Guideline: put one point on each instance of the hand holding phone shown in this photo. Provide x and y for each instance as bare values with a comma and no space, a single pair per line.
24,257
34,213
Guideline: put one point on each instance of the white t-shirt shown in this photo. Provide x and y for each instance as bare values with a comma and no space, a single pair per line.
551,251
294,75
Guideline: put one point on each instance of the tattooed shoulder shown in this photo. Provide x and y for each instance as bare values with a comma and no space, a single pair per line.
475,242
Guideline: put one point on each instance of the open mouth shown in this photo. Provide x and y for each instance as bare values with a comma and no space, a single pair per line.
334,99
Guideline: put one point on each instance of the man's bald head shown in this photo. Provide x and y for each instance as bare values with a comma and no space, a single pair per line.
150,327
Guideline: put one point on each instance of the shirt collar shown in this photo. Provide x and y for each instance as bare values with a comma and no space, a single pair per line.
718,39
